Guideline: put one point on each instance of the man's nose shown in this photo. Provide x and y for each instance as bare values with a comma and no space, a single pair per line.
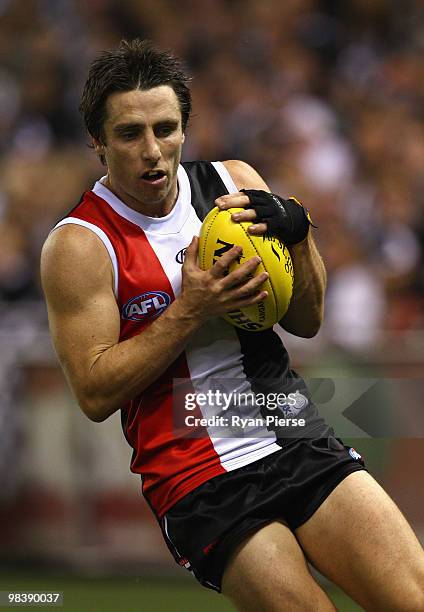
150,148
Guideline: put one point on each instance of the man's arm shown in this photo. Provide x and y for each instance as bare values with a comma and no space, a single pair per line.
84,317
305,313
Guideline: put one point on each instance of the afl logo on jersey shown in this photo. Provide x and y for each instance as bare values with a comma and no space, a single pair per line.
146,306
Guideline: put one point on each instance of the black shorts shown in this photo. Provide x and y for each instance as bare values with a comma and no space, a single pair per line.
203,529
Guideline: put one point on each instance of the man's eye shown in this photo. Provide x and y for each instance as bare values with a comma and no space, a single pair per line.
165,130
129,135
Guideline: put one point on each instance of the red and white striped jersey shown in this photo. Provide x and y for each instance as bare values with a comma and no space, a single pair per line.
146,255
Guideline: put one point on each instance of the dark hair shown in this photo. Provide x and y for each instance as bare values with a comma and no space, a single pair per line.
135,64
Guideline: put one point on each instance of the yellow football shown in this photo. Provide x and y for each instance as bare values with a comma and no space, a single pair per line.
218,234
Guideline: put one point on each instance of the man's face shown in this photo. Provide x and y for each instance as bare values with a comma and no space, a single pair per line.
142,140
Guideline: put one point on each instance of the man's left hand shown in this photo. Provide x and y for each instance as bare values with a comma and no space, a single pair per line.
285,219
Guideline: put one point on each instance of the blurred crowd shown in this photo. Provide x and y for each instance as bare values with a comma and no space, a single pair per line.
325,98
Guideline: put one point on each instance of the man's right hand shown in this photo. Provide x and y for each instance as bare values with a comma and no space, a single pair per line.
216,291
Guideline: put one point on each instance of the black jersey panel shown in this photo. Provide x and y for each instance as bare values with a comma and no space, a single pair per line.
266,362
267,367
206,185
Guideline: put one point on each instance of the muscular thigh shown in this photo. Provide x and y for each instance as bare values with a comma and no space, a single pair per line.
268,572
359,539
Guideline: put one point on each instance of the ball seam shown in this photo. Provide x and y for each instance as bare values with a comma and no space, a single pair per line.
209,227
269,276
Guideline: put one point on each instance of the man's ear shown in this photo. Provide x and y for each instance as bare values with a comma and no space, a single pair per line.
99,147
183,138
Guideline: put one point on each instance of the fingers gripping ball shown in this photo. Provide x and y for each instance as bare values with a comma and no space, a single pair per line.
219,233
286,219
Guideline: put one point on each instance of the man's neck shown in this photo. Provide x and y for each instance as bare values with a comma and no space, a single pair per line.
153,210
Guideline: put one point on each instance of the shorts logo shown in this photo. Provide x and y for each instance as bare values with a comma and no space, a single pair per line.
354,454
184,562
146,306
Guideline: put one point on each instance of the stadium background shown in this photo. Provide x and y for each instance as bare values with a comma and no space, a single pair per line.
326,99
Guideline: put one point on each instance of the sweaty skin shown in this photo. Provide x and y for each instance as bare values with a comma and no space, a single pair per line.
143,133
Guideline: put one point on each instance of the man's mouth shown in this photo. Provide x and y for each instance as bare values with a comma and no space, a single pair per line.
154,176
